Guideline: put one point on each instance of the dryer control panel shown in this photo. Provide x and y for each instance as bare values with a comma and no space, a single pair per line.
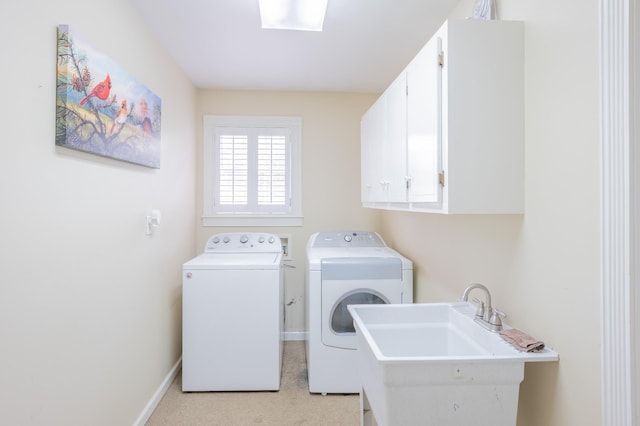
347,239
242,242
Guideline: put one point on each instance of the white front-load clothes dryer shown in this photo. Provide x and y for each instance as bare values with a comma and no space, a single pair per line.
233,314
346,268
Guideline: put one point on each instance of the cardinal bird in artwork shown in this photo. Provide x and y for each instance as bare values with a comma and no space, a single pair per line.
121,116
101,91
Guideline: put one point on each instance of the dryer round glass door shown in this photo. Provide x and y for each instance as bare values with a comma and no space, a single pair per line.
341,320
337,324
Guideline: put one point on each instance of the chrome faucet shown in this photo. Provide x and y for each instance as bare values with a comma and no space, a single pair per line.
486,315
484,309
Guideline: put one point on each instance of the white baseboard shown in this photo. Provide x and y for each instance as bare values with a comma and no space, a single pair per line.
295,335
157,396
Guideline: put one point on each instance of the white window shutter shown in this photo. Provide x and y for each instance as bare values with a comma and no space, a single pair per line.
272,171
233,170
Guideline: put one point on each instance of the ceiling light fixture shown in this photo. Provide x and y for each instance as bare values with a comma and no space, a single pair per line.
304,15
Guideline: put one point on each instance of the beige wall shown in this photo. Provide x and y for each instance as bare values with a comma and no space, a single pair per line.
90,306
542,267
330,170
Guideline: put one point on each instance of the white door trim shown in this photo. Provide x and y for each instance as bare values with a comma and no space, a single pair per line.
617,191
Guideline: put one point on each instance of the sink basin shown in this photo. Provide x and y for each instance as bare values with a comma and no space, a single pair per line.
433,364
424,340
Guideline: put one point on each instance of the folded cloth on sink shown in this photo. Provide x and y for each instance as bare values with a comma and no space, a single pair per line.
521,340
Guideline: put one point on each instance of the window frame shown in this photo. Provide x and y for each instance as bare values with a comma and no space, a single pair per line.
211,217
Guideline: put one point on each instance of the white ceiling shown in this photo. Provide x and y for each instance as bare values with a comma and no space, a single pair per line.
364,45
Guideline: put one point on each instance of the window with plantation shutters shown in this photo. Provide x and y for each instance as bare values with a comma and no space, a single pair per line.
252,171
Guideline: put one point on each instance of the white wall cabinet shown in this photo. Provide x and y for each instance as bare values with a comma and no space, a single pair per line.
448,135
383,147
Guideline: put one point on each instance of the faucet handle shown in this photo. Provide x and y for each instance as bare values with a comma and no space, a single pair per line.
480,311
496,318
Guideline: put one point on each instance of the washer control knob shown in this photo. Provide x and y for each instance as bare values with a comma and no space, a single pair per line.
244,239
272,240
226,239
215,240
348,238
261,239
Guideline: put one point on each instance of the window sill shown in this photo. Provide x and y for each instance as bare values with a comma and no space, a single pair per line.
251,220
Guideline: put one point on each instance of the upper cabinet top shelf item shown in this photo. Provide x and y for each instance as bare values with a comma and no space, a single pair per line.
448,135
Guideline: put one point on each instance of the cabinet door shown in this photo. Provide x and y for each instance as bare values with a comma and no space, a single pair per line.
373,152
396,118
367,132
424,124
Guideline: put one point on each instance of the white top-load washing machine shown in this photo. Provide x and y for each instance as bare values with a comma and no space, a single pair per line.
344,268
233,314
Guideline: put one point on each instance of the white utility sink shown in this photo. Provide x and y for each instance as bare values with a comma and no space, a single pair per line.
432,364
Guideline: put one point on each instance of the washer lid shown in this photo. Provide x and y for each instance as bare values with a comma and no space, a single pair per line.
235,261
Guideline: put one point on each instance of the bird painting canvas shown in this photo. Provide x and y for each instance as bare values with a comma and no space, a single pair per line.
100,108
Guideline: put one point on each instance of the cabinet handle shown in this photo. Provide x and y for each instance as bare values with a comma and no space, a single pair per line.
407,181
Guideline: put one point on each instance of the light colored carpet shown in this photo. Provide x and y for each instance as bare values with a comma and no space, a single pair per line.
291,405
